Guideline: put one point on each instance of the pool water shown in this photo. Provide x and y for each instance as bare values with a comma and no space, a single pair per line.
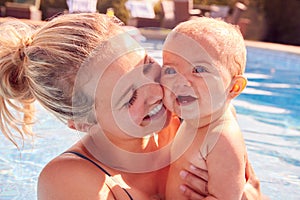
268,113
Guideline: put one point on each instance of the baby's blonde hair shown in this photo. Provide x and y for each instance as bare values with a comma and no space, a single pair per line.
41,64
221,39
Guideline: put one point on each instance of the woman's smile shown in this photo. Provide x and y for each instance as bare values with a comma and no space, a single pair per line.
155,113
155,110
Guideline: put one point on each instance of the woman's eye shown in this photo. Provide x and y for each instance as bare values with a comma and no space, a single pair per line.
131,100
199,69
170,70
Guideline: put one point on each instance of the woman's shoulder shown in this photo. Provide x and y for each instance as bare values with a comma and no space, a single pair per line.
65,164
70,177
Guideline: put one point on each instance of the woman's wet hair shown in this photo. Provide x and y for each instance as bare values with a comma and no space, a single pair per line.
42,63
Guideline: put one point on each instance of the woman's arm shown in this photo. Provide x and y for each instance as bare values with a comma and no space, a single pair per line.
195,182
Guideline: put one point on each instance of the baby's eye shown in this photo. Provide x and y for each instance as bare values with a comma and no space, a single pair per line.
170,70
200,69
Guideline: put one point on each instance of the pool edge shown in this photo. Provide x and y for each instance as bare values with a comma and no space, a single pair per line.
161,34
273,46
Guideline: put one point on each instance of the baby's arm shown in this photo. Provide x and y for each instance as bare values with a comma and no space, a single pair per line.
175,189
226,166
195,182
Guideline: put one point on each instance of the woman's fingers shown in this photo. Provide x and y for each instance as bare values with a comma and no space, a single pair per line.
252,187
251,177
190,194
198,172
195,183
250,193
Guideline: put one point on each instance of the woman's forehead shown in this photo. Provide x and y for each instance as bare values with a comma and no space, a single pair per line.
125,70
121,48
130,61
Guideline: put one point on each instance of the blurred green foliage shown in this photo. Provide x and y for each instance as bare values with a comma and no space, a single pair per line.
282,17
119,8
102,5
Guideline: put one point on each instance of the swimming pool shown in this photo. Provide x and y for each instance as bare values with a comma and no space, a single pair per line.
268,112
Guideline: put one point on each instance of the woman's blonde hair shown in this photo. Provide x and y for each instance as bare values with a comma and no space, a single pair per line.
41,64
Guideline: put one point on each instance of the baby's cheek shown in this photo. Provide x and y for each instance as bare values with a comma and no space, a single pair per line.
168,95
169,99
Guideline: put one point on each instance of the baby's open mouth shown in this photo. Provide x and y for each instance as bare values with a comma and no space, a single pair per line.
185,100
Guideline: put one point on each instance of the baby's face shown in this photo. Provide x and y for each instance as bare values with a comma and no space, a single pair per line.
194,83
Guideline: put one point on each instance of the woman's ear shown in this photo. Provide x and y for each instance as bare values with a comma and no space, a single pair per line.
83,127
71,124
238,84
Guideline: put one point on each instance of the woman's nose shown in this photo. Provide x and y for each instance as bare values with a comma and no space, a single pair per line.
152,71
152,93
152,90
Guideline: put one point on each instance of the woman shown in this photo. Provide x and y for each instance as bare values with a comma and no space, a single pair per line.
85,70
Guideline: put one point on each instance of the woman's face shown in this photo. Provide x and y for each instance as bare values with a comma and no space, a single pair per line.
128,100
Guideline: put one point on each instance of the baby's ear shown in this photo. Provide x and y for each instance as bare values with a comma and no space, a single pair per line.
238,84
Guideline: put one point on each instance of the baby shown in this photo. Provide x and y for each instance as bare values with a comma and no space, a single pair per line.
204,61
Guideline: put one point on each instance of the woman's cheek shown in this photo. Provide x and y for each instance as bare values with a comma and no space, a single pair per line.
136,114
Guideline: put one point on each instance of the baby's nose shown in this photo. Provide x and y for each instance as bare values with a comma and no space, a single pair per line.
182,81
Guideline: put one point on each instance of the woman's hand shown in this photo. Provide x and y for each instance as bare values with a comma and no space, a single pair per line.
252,186
196,184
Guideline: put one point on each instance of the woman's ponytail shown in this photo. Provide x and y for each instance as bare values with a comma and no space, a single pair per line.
16,109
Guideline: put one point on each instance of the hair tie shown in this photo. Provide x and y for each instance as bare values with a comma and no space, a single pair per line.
21,53
24,44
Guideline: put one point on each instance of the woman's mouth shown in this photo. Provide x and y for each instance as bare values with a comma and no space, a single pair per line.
156,112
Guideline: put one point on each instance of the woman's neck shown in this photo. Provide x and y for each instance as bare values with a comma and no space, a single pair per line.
140,185
133,155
